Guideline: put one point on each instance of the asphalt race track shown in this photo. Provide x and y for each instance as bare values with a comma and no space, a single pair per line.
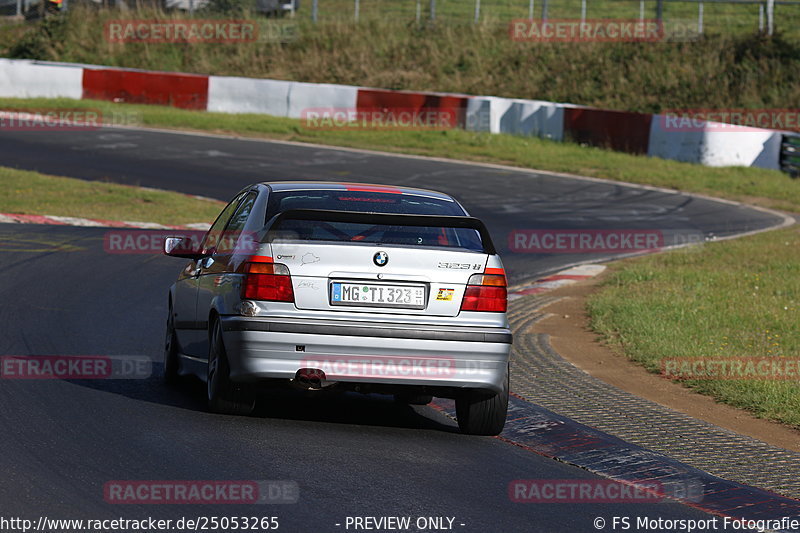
351,456
505,199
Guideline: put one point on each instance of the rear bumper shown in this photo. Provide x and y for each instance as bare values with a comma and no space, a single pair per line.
378,354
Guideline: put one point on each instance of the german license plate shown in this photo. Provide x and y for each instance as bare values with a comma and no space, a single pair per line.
378,295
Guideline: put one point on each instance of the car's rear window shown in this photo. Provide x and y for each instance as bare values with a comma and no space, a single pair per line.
362,201
370,202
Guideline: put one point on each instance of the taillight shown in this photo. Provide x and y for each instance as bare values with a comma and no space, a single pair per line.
486,292
267,281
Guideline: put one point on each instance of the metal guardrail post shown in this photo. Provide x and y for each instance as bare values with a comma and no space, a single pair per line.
545,6
530,9
659,9
583,10
314,10
433,9
356,9
477,11
790,154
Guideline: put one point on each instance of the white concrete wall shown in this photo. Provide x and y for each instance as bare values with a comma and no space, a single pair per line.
29,79
246,95
514,116
714,144
274,97
303,96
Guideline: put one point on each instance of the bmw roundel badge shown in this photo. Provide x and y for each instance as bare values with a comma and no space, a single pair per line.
380,258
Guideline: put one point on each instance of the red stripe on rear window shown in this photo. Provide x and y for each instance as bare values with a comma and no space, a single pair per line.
367,188
367,199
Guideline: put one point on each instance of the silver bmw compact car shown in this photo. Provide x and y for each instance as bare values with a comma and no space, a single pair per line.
364,288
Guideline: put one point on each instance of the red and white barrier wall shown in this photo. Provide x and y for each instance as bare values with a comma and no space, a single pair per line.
636,133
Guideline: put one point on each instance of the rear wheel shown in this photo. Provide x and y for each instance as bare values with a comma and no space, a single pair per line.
482,413
224,396
171,357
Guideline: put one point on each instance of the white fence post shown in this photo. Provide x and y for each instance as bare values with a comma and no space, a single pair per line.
477,11
530,9
700,18
583,10
770,17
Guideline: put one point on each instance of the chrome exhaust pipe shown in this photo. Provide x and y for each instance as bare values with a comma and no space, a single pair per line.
311,379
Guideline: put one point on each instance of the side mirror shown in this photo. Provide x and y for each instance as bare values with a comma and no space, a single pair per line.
181,247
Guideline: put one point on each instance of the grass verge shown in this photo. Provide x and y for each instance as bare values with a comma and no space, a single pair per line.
757,186
732,299
33,193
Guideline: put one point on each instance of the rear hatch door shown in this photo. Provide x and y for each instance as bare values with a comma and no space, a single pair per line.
379,263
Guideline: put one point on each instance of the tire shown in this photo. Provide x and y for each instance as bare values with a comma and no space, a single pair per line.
413,399
224,396
481,413
171,357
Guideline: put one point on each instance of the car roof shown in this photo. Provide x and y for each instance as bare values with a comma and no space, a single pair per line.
279,186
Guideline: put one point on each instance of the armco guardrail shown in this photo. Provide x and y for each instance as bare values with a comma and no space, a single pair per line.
790,154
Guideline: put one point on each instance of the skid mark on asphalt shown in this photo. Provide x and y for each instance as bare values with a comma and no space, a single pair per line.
10,242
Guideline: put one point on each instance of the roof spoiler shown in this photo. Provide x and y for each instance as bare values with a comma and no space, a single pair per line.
382,219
